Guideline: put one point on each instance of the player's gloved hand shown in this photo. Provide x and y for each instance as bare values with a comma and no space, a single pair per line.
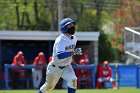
78,51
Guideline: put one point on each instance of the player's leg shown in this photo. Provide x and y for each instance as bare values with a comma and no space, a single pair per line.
39,77
53,74
15,79
48,85
71,78
34,76
99,82
113,83
89,82
64,84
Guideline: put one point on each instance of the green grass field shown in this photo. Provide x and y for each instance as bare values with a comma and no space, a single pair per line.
121,90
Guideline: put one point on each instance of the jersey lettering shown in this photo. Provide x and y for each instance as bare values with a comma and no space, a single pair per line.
105,72
69,47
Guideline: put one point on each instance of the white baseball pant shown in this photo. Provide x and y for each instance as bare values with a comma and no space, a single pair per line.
54,73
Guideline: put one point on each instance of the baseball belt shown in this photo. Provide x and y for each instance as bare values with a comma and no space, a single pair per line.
61,67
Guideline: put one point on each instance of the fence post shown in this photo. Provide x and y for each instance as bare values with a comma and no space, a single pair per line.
6,76
117,76
138,76
93,77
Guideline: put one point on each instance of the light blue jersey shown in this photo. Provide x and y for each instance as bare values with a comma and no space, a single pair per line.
60,66
63,44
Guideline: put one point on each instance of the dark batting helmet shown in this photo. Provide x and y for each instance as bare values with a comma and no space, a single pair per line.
63,24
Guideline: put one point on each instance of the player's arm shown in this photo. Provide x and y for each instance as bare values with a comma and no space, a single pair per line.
67,54
77,51
23,62
44,61
14,61
36,61
64,55
110,74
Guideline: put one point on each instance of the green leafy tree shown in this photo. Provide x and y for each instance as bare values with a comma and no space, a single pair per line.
88,21
113,22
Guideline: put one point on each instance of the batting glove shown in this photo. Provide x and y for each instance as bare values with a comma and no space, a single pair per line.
78,51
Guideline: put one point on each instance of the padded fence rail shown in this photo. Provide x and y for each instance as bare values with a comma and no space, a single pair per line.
127,75
7,67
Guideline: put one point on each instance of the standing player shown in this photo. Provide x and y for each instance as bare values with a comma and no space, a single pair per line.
39,62
18,60
60,66
84,76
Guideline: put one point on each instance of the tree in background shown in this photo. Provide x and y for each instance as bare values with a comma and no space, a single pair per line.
126,15
28,14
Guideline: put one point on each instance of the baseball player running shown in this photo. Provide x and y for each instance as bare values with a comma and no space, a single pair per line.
60,66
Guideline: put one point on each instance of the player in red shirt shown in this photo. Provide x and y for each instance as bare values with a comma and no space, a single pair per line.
83,75
105,75
85,57
50,58
39,62
19,60
16,73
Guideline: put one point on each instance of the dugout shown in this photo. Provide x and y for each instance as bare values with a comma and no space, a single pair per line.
31,42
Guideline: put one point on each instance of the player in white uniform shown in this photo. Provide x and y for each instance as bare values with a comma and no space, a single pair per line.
60,66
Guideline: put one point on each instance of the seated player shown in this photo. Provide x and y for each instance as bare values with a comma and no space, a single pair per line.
105,75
